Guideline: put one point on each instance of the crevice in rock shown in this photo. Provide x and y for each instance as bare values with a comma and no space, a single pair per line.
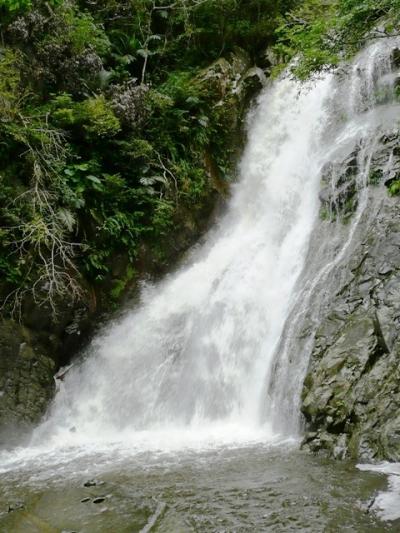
382,344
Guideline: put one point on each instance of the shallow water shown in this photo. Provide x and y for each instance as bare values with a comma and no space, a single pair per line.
251,488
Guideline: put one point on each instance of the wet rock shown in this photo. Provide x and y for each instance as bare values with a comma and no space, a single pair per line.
225,74
396,58
16,506
62,372
340,183
351,395
272,58
235,81
31,352
338,194
93,483
26,379
253,81
340,450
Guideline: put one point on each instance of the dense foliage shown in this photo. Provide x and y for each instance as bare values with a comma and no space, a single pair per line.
105,122
109,123
322,33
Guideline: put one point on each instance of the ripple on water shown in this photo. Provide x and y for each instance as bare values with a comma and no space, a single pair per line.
253,488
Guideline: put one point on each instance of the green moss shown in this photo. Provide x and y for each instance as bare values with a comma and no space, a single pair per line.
394,188
325,213
98,118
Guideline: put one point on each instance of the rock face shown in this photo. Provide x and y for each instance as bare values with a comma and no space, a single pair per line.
30,354
351,394
26,379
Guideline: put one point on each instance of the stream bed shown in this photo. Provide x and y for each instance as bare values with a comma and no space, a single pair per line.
223,489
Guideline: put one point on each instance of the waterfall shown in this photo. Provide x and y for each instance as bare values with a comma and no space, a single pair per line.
210,352
364,110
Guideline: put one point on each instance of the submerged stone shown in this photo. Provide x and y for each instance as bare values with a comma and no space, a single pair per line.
16,506
93,483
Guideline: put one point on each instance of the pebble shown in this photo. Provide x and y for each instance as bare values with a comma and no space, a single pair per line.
15,506
93,483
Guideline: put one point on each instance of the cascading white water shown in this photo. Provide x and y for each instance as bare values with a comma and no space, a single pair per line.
191,362
196,352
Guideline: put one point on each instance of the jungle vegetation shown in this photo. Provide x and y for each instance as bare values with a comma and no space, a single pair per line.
106,120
